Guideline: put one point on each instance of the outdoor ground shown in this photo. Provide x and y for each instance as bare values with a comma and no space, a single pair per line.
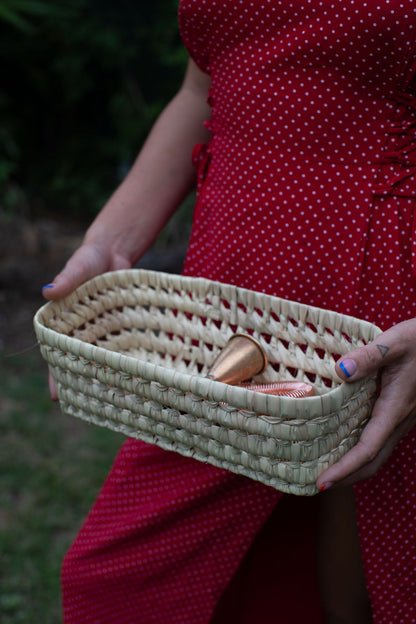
51,466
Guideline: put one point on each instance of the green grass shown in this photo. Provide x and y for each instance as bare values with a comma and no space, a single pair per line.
51,468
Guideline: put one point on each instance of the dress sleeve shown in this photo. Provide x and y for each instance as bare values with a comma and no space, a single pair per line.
193,33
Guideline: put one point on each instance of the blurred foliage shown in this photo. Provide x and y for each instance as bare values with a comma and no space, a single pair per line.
82,82
15,12
51,468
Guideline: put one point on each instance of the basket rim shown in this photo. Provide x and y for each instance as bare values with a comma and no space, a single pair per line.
215,391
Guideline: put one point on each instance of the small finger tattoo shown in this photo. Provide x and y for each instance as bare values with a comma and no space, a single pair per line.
383,350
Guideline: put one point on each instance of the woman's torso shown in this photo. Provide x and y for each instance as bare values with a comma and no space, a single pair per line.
307,189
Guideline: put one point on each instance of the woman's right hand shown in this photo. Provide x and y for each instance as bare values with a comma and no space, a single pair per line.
88,261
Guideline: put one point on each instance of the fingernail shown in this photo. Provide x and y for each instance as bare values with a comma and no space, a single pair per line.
348,367
47,286
325,486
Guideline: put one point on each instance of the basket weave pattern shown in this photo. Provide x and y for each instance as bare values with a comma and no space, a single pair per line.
129,350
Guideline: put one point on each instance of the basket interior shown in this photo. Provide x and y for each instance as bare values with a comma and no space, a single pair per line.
175,326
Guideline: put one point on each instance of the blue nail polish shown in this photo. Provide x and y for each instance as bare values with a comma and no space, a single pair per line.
344,370
348,367
47,286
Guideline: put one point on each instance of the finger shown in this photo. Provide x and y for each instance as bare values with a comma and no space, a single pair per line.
390,410
52,388
363,361
370,469
87,262
387,347
83,264
373,438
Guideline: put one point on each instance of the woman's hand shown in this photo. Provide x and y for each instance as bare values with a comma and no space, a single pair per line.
393,353
87,262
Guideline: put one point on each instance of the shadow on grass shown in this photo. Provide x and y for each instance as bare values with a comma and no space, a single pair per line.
51,468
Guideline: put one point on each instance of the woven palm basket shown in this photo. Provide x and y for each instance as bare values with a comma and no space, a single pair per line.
129,350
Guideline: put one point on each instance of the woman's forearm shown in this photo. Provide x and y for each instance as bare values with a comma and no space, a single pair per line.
161,176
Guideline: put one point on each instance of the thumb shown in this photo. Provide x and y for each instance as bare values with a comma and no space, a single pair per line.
360,362
87,262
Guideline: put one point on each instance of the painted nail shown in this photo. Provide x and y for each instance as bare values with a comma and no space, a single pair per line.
47,286
348,367
325,486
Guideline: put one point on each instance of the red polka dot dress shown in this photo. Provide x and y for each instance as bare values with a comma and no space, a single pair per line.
306,190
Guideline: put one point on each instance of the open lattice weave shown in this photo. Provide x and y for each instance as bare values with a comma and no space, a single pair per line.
129,350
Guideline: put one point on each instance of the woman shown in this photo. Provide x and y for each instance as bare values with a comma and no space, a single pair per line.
306,189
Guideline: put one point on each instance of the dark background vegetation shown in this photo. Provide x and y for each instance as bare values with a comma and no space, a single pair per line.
81,82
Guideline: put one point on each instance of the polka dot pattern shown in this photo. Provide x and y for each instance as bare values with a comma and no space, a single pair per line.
386,506
162,540
312,153
306,190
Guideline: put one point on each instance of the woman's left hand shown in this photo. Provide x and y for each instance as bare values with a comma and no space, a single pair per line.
393,353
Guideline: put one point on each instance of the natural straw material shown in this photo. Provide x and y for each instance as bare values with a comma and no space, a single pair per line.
129,350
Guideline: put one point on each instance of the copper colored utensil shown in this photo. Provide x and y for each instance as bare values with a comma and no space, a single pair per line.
242,358
295,389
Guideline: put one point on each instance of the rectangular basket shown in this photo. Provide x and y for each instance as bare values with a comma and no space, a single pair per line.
129,350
